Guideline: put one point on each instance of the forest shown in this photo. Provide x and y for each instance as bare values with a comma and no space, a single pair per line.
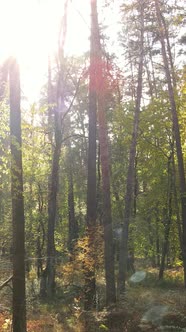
93,173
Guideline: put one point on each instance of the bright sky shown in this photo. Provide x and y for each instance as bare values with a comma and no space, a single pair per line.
29,30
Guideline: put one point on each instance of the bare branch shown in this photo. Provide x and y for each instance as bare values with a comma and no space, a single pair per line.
6,282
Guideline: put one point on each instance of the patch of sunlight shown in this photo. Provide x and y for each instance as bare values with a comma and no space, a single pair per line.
138,276
155,315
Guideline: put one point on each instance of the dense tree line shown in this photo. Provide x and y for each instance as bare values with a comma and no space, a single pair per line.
103,156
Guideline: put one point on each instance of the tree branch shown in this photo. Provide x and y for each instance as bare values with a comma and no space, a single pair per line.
6,282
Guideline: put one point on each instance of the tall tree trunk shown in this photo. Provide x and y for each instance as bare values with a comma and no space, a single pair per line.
19,300
53,190
107,215
105,169
52,207
176,130
99,195
131,168
168,218
90,282
177,207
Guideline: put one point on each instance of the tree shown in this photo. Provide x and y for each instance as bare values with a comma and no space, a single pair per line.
101,89
131,168
168,214
3,85
54,180
90,282
19,299
72,221
170,82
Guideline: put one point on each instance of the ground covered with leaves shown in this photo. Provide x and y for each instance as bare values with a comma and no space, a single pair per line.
149,305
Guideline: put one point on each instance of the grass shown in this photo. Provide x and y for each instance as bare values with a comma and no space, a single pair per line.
66,314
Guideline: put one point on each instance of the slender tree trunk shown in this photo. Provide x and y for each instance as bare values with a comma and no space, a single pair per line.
105,169
107,215
151,240
166,35
52,206
72,222
135,187
90,282
131,169
42,273
3,83
51,101
176,130
19,299
99,198
157,239
177,208
168,218
53,190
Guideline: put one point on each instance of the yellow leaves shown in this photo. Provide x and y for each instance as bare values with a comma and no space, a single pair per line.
39,325
7,324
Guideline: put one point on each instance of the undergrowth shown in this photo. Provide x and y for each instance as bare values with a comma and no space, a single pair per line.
65,312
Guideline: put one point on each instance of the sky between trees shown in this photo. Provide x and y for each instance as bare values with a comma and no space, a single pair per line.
29,31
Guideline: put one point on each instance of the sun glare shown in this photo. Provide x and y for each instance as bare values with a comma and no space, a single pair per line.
29,31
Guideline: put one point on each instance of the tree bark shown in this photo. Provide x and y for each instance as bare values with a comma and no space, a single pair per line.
177,207
105,169
131,168
90,282
53,190
19,299
52,206
176,130
168,218
107,214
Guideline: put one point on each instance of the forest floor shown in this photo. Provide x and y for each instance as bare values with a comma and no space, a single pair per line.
149,305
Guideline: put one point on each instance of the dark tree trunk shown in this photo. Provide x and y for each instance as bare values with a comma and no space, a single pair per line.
90,282
107,215
39,252
105,169
40,237
177,207
131,168
176,130
19,300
